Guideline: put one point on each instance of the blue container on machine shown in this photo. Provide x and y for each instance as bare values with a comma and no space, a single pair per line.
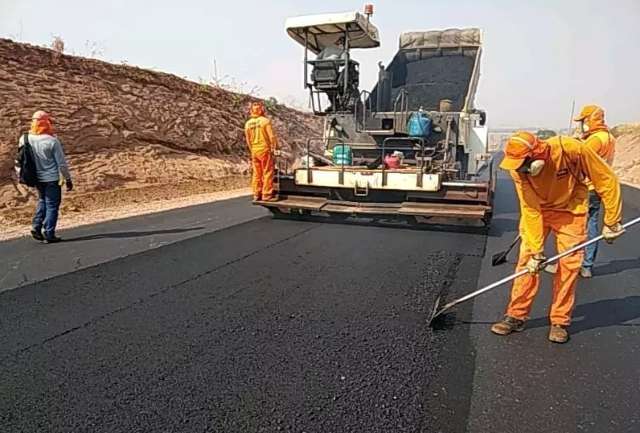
419,125
342,154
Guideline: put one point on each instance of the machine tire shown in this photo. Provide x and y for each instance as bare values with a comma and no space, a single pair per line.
277,212
338,216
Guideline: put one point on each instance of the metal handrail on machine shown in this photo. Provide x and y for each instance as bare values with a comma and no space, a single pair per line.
367,99
400,118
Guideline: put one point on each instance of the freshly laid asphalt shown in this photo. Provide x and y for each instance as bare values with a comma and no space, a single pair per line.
218,318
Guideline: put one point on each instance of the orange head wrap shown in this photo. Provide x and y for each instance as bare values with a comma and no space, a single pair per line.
41,123
592,116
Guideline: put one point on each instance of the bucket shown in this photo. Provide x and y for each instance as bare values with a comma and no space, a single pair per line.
392,161
419,125
445,105
342,154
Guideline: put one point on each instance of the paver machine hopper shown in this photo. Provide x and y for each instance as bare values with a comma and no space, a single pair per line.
413,148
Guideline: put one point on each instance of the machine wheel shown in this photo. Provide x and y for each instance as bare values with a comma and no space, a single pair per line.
277,212
339,216
487,219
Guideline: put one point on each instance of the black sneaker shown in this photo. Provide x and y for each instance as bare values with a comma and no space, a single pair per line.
53,240
37,235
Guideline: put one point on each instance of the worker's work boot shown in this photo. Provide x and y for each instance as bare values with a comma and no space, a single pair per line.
508,325
551,269
37,235
52,240
586,273
271,198
558,334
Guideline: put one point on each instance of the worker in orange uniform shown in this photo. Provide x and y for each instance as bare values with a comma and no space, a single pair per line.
262,146
595,134
549,178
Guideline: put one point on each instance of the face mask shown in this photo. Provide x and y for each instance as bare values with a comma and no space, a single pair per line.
536,167
584,127
532,167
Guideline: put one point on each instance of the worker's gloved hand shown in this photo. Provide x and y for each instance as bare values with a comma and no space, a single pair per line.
69,185
611,233
277,152
534,265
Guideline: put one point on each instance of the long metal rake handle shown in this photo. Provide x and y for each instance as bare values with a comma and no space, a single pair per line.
524,271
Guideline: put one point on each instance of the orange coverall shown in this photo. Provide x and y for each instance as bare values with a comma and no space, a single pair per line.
556,201
262,143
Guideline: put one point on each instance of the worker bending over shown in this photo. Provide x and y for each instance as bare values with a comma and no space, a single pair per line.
262,147
550,181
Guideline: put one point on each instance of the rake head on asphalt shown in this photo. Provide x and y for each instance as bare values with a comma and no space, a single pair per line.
437,320
499,258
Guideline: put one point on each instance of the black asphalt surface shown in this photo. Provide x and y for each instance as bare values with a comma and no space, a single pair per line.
28,262
258,325
263,326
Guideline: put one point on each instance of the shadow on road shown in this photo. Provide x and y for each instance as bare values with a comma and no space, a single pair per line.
132,234
506,201
392,223
617,266
500,226
599,314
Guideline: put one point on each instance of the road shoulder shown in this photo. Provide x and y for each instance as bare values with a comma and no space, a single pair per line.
26,261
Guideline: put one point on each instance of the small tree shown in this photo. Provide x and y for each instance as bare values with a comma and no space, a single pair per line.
271,104
93,49
57,45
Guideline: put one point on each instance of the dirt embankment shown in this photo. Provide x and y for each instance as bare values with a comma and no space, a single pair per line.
131,135
627,159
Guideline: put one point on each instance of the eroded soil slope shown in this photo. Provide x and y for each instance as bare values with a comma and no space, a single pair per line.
130,134
627,159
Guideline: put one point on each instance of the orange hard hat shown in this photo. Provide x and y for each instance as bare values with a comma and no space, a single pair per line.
588,111
519,147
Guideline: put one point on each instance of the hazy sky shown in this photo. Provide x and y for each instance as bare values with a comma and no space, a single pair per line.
539,54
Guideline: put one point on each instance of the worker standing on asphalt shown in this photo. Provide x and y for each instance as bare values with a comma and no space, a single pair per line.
262,147
549,178
52,171
595,134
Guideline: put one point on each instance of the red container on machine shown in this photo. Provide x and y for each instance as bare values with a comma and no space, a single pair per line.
392,161
368,9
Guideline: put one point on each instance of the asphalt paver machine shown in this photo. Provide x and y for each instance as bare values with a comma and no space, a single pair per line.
412,148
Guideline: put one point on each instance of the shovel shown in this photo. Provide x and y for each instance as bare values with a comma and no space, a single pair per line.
500,258
437,311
